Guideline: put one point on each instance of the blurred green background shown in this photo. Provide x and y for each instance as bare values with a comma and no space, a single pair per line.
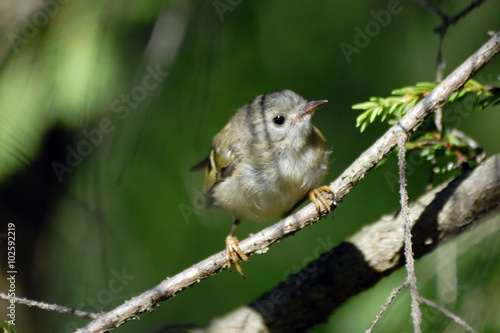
151,83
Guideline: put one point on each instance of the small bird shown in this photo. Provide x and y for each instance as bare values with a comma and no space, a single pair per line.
265,162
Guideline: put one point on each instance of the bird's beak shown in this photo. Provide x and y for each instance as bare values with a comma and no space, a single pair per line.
309,108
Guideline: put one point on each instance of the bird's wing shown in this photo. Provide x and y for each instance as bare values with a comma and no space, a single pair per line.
224,156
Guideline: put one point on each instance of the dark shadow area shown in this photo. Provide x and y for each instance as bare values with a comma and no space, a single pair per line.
27,199
308,297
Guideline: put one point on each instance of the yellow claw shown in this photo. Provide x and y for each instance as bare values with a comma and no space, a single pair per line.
234,254
316,197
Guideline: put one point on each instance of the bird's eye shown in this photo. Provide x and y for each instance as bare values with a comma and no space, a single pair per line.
279,120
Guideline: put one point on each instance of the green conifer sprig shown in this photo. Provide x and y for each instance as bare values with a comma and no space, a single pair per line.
448,149
394,107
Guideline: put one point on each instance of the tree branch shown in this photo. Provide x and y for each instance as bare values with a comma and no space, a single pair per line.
391,297
416,314
447,313
260,242
308,297
50,307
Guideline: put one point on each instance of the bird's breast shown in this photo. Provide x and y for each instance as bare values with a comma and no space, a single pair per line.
270,187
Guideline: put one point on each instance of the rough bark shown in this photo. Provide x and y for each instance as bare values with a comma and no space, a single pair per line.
260,242
308,297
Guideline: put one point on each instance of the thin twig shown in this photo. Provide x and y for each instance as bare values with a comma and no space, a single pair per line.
440,66
446,20
307,215
309,296
50,307
449,21
416,298
416,314
456,319
391,297
441,30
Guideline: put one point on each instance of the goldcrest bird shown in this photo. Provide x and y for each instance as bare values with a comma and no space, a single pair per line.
265,161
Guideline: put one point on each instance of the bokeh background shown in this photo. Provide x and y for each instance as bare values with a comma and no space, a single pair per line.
128,205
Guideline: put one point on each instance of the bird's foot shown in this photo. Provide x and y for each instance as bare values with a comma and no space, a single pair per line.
316,197
234,254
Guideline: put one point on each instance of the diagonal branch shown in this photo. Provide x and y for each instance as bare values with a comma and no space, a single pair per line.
447,313
377,250
391,298
50,307
260,242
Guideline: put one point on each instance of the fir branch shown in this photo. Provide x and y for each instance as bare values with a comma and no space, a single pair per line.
394,107
446,151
